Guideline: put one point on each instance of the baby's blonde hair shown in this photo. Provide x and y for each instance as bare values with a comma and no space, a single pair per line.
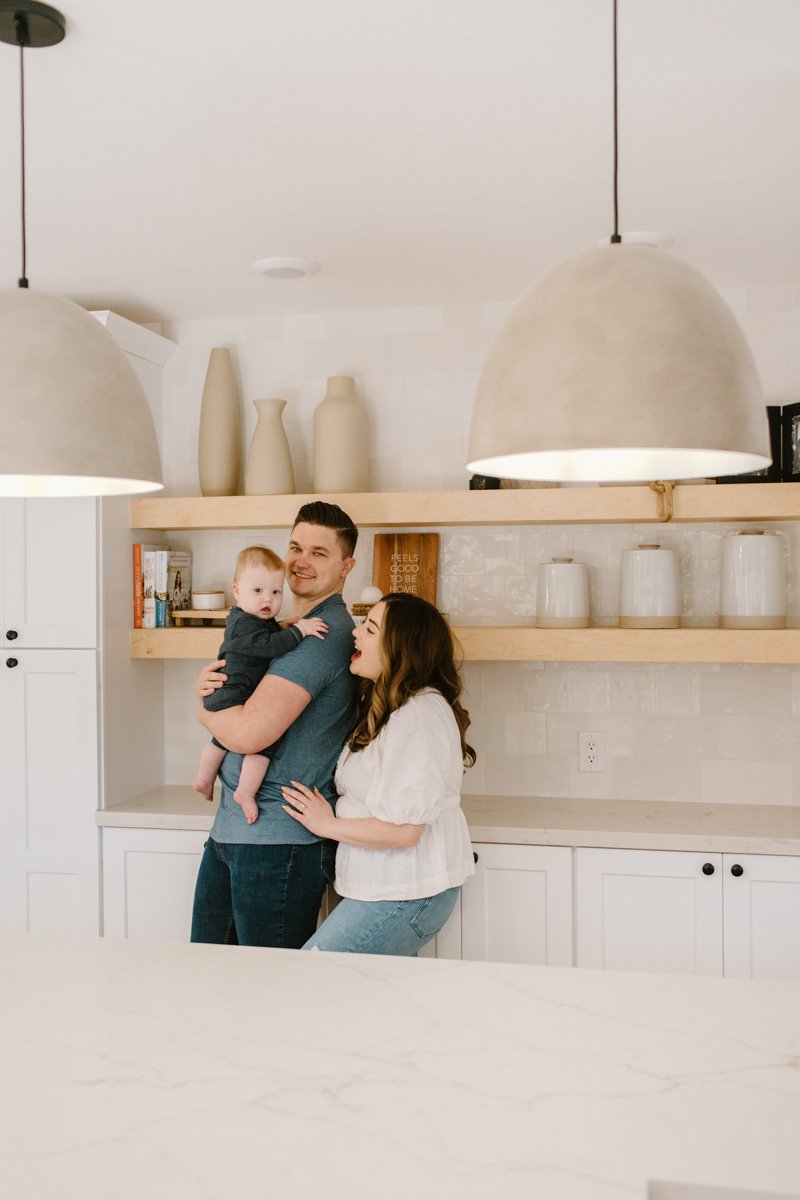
258,556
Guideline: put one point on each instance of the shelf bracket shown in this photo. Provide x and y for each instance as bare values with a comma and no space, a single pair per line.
663,489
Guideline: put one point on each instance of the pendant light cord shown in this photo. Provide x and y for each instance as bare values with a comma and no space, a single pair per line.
615,237
22,42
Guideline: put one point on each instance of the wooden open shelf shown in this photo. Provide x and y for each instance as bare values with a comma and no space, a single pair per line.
522,506
524,644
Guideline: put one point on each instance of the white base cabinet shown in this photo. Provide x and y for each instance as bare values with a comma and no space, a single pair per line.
148,882
517,907
687,913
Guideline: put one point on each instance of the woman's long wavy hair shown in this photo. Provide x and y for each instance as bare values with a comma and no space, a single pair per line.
418,651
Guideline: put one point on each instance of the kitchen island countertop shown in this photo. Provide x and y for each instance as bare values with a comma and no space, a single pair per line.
184,1072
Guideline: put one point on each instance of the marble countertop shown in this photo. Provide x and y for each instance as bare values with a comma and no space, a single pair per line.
543,821
181,1072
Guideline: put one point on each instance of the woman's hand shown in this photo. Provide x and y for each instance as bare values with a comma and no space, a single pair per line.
210,679
310,809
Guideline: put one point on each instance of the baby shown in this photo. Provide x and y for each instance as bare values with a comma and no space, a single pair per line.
252,638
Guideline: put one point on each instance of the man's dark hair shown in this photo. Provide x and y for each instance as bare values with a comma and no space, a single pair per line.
330,516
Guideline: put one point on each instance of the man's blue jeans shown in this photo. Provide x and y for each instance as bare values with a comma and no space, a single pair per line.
251,895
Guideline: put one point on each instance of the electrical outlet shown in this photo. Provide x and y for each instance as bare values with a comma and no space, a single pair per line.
591,752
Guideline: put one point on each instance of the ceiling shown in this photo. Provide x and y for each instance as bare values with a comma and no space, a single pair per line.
424,152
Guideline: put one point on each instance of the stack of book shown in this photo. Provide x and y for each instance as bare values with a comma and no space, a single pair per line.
162,584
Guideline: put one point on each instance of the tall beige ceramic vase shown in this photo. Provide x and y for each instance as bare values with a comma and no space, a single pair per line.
219,454
269,463
341,440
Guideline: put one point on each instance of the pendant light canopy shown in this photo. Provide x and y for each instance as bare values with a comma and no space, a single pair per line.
622,364
76,421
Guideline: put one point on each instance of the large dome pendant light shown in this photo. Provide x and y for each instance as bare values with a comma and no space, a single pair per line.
620,365
75,419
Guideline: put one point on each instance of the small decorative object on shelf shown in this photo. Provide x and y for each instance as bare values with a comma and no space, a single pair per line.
774,472
219,454
790,443
649,588
269,462
483,483
406,562
369,596
341,440
562,595
752,589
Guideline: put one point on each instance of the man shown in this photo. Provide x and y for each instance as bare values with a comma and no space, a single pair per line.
262,884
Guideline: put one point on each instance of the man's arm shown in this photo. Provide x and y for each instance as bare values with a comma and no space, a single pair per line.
262,719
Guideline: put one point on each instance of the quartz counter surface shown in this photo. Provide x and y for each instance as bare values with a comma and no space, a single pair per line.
543,821
181,1072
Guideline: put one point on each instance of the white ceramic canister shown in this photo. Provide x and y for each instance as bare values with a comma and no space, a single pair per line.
562,595
649,588
752,586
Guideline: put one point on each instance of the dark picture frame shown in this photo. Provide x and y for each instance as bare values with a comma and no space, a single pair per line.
790,440
773,473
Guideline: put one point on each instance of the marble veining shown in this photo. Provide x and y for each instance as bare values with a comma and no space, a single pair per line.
205,1072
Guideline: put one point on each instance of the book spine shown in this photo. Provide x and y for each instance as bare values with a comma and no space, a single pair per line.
138,586
161,567
149,589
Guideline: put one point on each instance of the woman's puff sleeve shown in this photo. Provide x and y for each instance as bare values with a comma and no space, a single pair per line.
419,766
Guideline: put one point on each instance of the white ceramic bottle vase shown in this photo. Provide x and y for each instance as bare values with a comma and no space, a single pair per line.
752,589
562,595
649,588
219,452
269,469
341,439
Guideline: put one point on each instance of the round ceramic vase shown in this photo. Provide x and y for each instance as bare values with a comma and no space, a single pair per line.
269,462
649,588
752,592
341,439
562,595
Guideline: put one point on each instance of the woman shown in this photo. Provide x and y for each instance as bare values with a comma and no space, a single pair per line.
404,848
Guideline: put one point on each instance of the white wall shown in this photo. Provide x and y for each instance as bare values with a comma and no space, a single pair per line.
673,732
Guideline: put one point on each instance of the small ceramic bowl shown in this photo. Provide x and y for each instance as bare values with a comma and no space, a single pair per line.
208,600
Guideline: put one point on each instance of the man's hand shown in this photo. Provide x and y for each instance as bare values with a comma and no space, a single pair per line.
210,679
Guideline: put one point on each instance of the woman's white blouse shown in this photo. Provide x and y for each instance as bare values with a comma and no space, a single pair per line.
410,773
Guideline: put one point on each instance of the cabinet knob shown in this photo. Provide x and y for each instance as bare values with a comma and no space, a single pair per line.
11,635
708,868
737,870
474,856
11,662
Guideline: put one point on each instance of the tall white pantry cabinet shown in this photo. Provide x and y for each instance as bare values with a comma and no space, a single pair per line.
82,723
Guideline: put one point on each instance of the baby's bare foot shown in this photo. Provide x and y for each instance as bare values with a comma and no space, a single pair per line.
205,787
247,805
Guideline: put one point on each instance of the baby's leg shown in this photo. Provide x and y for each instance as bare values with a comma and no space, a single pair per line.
210,763
254,768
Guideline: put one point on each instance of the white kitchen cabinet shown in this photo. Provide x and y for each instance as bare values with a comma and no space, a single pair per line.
148,882
48,572
761,915
49,789
689,913
518,905
649,910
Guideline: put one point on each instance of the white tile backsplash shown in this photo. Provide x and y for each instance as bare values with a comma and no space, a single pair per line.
693,732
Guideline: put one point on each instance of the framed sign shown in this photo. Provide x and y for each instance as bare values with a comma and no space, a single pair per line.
406,562
790,437
774,472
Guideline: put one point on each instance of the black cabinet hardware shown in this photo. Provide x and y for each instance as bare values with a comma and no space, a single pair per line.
11,635
474,856
11,662
737,870
708,868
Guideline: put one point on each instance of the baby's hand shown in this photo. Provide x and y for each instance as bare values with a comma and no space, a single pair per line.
312,625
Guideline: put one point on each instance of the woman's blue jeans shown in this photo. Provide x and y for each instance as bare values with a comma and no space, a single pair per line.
251,895
384,926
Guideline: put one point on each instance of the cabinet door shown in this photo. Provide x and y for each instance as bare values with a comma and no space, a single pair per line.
518,905
649,910
761,905
148,882
48,584
49,871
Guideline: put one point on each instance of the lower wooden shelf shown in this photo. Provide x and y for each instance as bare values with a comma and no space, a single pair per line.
525,644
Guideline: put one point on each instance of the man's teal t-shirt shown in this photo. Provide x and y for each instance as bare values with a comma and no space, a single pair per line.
310,748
